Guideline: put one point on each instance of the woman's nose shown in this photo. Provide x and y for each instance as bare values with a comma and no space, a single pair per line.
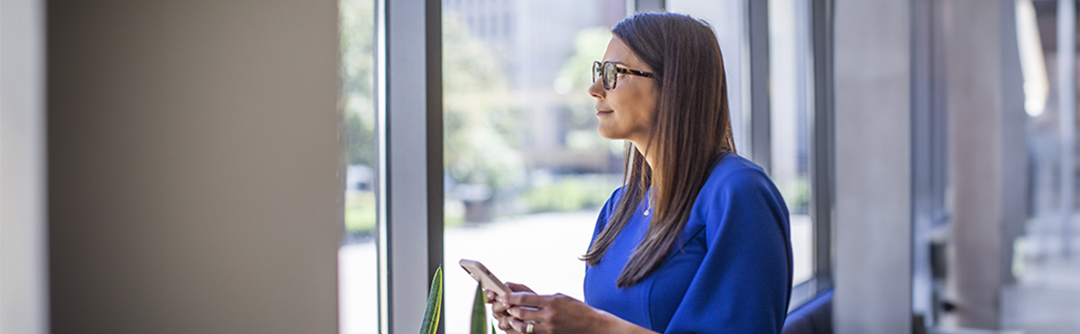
596,90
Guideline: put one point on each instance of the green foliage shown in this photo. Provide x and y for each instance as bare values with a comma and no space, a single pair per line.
797,196
358,80
589,46
357,22
479,113
576,74
571,193
360,213
479,313
360,140
434,305
434,308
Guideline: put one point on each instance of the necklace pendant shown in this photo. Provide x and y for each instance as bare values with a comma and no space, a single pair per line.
646,212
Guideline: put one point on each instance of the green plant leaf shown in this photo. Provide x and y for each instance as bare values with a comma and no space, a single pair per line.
434,304
479,312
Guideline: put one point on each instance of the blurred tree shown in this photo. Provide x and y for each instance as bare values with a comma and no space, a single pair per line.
480,122
357,100
358,80
574,80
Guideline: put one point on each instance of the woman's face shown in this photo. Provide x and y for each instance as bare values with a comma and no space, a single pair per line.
626,111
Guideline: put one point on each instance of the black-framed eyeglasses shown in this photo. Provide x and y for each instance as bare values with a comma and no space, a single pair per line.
609,72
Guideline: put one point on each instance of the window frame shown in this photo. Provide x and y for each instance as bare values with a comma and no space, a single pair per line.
822,159
408,135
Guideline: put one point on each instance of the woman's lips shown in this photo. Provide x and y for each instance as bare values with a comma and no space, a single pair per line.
602,112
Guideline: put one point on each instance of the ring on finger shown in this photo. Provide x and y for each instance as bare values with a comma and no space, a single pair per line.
529,327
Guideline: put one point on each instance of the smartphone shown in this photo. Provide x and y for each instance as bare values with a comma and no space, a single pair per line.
482,275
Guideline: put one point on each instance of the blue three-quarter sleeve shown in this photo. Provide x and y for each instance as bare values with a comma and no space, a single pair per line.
743,282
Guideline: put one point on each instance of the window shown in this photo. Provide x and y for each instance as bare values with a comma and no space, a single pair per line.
357,256
791,107
526,170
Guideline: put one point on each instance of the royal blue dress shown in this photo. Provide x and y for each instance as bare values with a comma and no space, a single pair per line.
729,271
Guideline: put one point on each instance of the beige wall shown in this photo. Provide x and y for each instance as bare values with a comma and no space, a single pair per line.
193,166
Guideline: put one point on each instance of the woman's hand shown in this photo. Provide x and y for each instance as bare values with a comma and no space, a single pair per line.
559,313
498,307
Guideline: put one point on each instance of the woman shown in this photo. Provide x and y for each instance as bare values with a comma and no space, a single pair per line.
697,239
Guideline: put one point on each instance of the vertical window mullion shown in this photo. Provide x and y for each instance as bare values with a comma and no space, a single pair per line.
823,147
409,130
760,124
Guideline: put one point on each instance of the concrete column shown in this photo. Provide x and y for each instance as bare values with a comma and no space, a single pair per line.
873,167
24,306
1014,140
987,157
193,166
1067,116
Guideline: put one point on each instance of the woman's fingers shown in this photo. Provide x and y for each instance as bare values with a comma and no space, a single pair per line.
504,323
522,326
506,326
524,299
501,316
527,313
499,307
515,287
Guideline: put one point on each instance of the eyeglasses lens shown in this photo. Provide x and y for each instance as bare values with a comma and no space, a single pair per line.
609,75
596,71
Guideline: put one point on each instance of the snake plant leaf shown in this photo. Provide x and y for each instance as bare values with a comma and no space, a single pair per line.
479,312
434,305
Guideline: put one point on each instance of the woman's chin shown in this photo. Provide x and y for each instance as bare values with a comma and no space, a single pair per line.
609,134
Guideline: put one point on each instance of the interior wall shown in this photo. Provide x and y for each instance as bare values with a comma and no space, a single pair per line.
23,274
872,68
193,166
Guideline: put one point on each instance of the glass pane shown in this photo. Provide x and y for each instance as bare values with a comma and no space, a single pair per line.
357,258
526,171
790,101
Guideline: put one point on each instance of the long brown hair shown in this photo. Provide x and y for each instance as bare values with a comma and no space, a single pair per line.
690,129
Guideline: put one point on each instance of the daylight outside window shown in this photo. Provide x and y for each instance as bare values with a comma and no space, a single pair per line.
526,170
791,107
357,261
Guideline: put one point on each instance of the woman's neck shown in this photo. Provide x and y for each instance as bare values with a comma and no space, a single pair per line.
650,156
